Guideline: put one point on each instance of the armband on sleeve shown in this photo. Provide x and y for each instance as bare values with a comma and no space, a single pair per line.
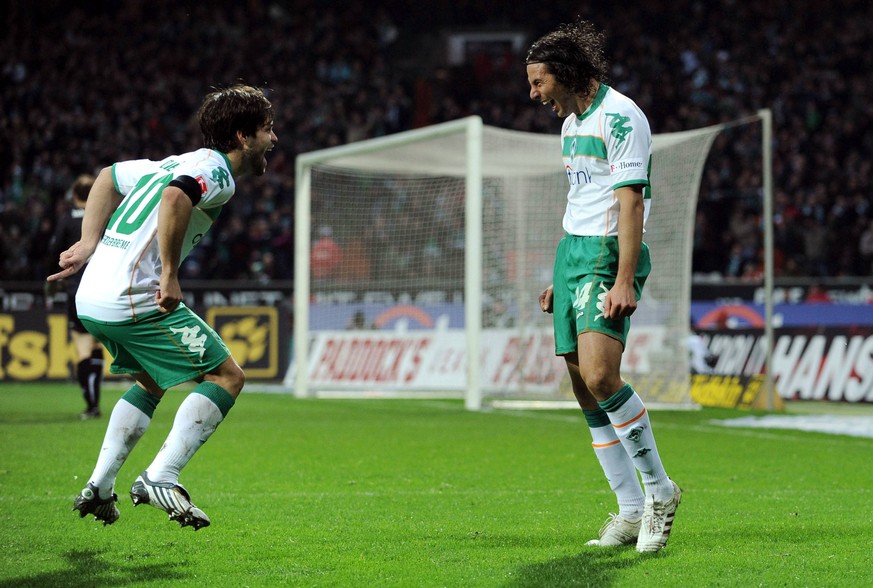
189,186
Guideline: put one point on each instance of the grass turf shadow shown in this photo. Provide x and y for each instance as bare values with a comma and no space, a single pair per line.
593,567
86,568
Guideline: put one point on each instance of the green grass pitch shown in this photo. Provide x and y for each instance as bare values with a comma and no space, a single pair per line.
424,493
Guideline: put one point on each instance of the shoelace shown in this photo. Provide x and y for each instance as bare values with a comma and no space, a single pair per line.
609,522
658,518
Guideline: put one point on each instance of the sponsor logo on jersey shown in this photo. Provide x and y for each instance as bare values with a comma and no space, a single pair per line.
114,242
628,164
578,177
202,182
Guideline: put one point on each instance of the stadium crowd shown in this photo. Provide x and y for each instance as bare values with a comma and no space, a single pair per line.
82,89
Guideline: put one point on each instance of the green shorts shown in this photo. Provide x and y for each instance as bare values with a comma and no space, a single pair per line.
171,348
585,270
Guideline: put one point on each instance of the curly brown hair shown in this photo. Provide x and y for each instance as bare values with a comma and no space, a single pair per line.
573,53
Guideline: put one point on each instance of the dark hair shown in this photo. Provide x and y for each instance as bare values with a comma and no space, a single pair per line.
82,187
573,53
237,108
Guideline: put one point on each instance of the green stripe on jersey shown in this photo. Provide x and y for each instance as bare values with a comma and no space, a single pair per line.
584,146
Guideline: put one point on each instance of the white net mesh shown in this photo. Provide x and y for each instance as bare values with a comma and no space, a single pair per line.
388,234
661,324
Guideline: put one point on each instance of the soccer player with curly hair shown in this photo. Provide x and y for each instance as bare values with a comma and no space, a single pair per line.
601,266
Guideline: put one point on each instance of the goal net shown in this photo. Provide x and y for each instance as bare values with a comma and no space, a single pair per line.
420,257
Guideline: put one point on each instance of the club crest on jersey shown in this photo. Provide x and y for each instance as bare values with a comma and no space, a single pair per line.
202,182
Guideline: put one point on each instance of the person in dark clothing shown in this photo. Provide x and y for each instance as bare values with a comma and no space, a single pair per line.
89,351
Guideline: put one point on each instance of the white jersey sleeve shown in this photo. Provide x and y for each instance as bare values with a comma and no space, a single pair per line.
628,146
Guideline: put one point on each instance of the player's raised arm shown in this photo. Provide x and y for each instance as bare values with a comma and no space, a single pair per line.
102,202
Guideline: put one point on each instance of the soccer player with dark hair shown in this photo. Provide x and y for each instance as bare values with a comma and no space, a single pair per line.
601,266
142,219
89,352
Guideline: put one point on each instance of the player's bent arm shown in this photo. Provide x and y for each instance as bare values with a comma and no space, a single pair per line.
174,213
621,300
103,199
630,231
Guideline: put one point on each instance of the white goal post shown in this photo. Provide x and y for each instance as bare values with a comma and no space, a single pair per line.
416,252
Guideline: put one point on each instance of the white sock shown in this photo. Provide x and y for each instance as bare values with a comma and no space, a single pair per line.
196,420
633,427
126,426
619,471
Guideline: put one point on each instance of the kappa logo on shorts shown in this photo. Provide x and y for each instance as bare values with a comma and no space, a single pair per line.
583,294
189,337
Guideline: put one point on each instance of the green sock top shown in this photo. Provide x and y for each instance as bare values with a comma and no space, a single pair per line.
596,418
141,399
614,402
218,395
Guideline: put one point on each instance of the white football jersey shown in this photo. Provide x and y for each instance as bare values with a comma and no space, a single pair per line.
607,147
124,273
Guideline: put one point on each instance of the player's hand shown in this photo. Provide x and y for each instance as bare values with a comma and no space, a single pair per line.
71,261
546,300
169,295
620,302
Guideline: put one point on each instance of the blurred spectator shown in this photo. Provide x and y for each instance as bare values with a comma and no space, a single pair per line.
865,248
326,255
817,295
356,261
358,322
14,247
815,246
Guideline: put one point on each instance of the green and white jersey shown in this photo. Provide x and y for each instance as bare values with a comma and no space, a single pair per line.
123,275
607,147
